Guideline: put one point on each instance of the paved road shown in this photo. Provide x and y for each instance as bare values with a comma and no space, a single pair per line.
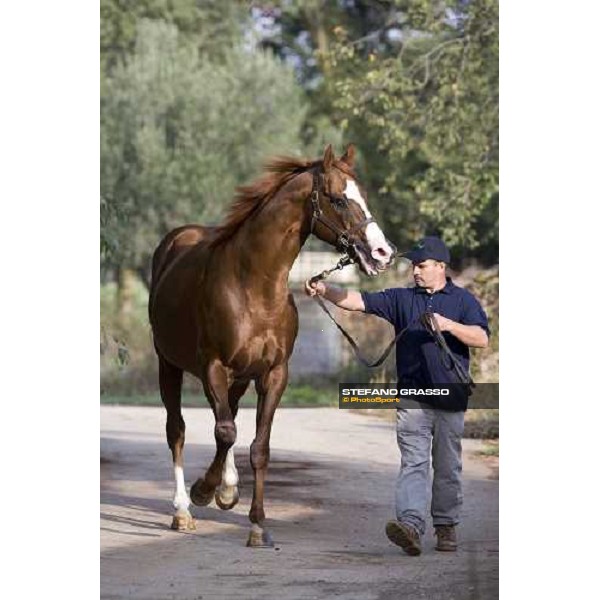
329,493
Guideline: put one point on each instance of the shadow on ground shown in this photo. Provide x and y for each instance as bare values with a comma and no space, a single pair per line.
326,516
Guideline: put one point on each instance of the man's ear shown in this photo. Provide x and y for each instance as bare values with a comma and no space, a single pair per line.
349,155
328,158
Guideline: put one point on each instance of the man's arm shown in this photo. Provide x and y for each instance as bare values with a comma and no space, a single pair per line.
346,299
471,335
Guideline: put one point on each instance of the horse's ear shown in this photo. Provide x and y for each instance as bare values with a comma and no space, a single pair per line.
349,155
328,158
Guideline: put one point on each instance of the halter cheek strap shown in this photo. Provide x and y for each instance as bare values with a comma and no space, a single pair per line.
344,238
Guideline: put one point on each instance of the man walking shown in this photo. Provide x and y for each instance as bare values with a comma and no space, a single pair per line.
429,433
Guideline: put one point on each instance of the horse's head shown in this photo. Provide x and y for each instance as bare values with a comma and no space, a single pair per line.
341,217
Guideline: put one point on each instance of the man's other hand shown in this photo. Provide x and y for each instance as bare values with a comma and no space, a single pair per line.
471,335
443,323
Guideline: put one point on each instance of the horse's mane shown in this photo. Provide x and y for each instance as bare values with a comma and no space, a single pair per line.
249,199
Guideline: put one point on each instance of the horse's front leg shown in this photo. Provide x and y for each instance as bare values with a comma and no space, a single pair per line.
270,387
227,494
216,386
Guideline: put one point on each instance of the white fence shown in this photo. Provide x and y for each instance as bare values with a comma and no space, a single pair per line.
311,263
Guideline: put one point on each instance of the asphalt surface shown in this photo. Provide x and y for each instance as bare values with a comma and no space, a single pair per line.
329,493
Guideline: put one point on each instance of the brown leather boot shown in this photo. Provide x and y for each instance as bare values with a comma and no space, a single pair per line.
404,536
446,538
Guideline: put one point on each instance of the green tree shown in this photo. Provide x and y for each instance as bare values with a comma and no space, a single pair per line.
302,32
180,130
430,108
209,24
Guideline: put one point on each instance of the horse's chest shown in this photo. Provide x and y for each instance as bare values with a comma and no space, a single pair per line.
268,342
263,347
268,346
248,337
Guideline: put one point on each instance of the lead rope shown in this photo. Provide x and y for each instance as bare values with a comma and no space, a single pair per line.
434,330
427,319
344,262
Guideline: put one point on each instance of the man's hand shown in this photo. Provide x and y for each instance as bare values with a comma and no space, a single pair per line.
313,289
346,299
444,323
471,335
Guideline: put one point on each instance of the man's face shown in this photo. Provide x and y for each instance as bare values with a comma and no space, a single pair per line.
428,273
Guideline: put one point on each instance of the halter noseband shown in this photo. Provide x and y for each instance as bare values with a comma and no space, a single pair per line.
344,238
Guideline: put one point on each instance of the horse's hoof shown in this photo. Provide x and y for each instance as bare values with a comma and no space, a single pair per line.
183,521
198,496
260,539
225,499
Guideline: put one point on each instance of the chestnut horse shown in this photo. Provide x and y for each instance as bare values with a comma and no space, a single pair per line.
220,309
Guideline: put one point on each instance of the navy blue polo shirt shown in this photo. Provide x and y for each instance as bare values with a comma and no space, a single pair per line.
418,359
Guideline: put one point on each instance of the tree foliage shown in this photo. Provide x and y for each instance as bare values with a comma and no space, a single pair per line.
209,24
431,108
303,31
193,97
179,130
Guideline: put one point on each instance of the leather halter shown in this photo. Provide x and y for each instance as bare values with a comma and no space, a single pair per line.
344,238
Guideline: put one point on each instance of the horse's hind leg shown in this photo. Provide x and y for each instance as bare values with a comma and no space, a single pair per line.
170,378
227,494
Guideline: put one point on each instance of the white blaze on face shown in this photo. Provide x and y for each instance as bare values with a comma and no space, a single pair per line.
378,245
181,500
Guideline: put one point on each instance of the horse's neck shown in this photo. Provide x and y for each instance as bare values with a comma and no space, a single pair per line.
269,242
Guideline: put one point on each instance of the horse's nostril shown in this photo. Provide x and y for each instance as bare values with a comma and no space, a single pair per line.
380,253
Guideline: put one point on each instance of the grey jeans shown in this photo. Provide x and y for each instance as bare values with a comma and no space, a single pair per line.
429,436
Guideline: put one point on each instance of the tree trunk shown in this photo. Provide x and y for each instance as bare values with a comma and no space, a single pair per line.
125,292
318,29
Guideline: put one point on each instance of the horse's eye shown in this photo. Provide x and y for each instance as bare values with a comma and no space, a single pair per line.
340,202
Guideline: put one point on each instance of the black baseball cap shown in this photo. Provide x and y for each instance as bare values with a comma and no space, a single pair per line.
428,247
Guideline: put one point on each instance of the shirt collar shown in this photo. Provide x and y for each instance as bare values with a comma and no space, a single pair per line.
447,289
